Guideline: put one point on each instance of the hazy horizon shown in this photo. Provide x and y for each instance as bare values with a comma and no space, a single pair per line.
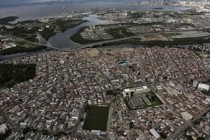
20,2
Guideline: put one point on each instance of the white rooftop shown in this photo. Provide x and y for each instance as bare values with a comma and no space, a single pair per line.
203,86
154,133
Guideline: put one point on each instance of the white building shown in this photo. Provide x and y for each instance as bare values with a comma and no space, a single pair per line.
195,83
23,124
3,128
154,133
138,90
203,87
96,132
9,45
187,116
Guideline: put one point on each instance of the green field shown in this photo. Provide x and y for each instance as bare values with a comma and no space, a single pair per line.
97,117
119,32
11,74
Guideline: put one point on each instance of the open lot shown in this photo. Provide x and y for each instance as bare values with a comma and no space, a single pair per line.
154,37
192,34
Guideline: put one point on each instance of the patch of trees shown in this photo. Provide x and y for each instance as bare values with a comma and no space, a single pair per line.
21,50
11,74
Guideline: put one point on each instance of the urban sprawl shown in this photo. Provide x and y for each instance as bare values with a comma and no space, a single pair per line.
157,88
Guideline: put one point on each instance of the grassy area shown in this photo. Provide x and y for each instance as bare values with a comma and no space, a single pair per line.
78,38
119,32
22,32
136,14
125,32
30,22
11,74
21,50
63,25
30,35
115,32
48,32
6,20
97,117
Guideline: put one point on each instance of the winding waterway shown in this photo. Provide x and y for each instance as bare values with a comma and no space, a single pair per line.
62,40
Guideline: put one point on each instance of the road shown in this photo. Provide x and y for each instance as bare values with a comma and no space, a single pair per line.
110,41
141,65
187,125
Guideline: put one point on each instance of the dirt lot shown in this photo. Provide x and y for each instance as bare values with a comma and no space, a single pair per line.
154,37
93,52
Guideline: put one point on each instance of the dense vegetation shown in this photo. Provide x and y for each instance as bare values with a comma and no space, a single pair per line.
136,14
8,19
30,35
4,136
22,32
96,119
113,92
27,29
11,74
21,50
47,33
178,41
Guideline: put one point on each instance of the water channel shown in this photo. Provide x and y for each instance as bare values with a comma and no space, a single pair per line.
62,40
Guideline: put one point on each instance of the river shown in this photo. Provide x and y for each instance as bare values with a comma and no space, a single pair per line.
62,40
50,9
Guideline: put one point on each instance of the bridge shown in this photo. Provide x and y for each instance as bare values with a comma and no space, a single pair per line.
43,42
